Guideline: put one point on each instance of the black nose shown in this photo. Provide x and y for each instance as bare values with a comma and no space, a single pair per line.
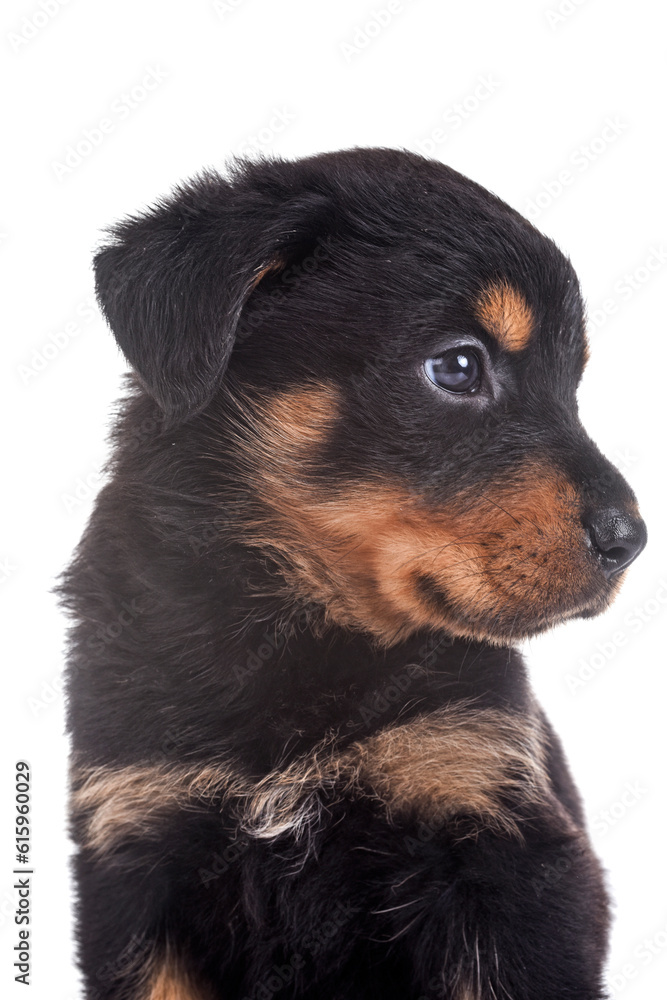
616,538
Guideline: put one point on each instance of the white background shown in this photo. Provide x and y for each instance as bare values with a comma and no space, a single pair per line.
519,93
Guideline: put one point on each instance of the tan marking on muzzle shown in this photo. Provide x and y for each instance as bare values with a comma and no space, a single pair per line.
503,561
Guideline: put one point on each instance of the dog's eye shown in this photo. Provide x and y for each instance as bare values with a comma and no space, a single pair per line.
457,370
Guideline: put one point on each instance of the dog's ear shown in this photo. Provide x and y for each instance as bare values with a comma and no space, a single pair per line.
172,282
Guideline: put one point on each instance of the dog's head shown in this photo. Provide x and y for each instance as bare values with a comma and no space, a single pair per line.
388,357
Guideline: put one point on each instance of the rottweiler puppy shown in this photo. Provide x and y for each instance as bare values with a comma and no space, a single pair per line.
347,478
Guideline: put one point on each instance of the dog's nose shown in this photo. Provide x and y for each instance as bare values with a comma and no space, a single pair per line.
616,538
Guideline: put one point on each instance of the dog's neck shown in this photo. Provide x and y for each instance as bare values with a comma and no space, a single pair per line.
240,629
208,635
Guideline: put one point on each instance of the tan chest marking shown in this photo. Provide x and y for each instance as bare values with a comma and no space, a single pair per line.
170,980
458,761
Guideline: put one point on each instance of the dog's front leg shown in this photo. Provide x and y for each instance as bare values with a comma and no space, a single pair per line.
526,921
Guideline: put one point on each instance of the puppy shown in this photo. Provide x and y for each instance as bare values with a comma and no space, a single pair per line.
348,476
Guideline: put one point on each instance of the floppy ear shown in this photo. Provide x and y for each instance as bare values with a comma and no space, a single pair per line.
172,282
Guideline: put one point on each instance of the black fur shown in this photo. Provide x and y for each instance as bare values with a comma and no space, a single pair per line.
193,646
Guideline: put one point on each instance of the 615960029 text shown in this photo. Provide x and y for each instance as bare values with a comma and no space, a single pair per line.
22,884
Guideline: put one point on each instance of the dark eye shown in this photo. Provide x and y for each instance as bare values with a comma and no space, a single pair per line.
458,370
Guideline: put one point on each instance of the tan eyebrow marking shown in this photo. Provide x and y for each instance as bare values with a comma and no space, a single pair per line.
504,312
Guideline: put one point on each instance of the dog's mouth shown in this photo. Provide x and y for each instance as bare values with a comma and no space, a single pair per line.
498,566
513,620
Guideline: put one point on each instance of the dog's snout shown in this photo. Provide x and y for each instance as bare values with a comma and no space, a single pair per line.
616,538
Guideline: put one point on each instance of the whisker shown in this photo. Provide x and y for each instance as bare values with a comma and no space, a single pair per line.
489,500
